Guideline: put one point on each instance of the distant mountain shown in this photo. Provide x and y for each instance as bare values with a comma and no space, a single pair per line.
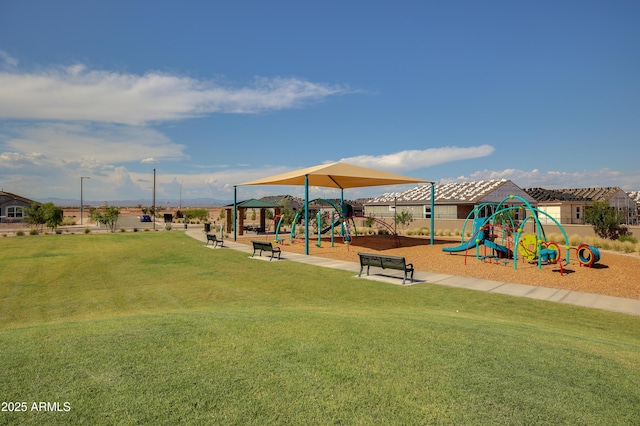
192,202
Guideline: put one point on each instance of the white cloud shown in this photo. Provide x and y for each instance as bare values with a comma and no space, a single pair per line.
77,93
417,159
105,143
7,61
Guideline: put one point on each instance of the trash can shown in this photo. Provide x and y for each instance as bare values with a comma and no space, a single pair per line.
207,227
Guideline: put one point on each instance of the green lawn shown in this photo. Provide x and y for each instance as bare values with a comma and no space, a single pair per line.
152,328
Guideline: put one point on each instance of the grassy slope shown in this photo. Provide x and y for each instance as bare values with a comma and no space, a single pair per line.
153,328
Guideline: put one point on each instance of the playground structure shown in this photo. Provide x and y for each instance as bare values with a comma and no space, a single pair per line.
341,222
498,237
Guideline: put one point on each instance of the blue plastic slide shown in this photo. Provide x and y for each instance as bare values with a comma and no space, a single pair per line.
467,245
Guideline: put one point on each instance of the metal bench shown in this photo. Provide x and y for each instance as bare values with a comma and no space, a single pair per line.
214,240
385,262
265,246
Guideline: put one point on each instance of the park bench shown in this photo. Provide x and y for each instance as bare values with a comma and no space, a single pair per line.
255,228
385,262
265,246
214,240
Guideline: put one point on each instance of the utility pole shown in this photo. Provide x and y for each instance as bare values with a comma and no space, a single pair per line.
81,198
153,204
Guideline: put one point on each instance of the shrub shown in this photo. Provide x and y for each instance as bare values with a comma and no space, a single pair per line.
69,220
167,227
135,229
87,230
629,238
575,240
33,232
19,233
195,214
123,230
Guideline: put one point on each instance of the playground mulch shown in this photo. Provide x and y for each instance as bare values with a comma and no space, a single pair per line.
614,275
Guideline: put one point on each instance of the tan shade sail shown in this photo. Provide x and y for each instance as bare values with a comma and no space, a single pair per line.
336,175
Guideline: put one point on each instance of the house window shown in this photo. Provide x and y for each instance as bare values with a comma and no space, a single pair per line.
15,212
578,212
427,212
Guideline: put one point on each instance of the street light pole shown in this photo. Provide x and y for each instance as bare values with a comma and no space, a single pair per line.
154,199
81,198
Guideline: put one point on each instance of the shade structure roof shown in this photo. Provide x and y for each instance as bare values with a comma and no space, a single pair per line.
336,175
252,203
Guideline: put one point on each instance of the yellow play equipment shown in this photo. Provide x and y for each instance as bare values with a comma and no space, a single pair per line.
529,246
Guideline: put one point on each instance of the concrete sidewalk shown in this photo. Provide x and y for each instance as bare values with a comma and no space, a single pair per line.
588,300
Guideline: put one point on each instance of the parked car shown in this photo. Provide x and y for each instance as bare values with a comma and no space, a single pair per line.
145,218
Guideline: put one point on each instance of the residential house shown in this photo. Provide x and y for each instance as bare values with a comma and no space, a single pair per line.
12,207
567,206
451,201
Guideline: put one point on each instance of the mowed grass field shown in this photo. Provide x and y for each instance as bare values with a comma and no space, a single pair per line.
153,328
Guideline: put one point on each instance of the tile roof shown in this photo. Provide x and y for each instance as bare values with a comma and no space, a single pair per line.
469,192
573,194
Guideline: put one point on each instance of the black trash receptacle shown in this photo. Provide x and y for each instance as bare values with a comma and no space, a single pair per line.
207,227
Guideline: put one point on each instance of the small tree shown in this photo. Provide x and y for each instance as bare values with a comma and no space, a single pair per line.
404,218
108,216
53,216
35,215
605,220
268,214
286,211
44,214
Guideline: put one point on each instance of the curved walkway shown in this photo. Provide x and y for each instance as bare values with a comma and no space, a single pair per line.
588,300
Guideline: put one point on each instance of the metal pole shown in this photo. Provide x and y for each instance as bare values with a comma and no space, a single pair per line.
81,198
395,215
306,214
154,199
235,204
433,203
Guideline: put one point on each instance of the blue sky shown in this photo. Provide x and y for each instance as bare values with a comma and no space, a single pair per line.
212,94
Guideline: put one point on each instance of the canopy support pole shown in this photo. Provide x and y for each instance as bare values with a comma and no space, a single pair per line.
306,214
433,203
235,208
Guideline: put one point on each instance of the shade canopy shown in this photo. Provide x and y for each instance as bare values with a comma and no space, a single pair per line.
333,175
336,175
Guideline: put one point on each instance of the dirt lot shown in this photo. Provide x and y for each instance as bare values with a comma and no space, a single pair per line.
615,274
